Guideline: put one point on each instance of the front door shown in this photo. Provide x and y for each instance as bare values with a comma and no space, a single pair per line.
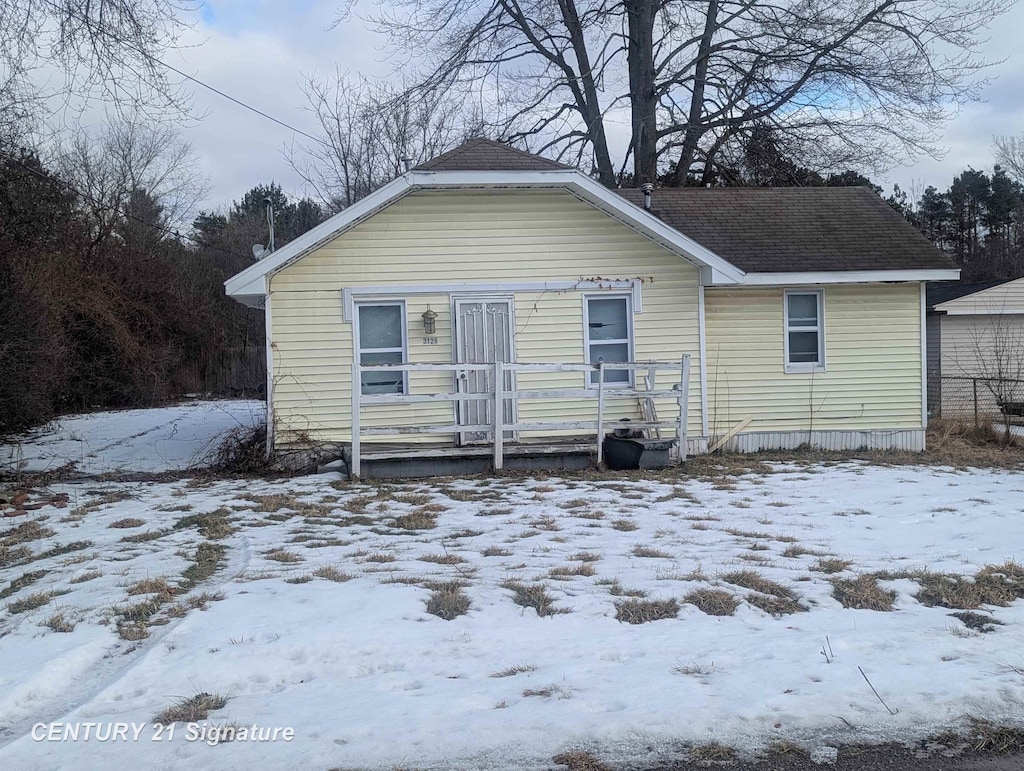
483,335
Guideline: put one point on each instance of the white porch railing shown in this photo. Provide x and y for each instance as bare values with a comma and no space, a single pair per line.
498,396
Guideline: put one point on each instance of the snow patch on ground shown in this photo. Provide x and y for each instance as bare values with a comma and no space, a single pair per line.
369,679
154,440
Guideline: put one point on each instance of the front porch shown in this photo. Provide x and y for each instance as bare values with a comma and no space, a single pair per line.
499,443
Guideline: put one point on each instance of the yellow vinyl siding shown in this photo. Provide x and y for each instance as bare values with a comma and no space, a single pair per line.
430,238
872,354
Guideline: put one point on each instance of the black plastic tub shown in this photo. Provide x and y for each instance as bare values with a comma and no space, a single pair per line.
623,454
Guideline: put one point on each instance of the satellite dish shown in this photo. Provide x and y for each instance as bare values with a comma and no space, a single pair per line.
258,251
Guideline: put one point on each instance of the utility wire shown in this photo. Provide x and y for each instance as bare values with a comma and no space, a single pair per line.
57,182
99,27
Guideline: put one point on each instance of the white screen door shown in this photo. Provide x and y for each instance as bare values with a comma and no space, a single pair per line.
483,335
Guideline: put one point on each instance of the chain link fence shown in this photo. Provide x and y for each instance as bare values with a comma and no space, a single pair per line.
977,400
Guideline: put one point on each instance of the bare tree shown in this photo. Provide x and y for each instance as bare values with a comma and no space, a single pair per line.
868,80
368,129
1010,155
129,155
994,354
81,49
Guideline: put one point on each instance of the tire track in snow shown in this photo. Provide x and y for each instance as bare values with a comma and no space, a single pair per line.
122,657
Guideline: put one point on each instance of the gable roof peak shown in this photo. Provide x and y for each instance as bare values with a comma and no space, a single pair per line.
479,154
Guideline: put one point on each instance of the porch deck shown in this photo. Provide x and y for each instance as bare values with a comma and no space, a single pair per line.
494,393
390,460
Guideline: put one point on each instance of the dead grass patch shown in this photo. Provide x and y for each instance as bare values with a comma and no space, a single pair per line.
831,565
712,752
442,559
579,760
448,601
275,503
58,622
133,632
157,586
149,535
714,602
282,555
618,590
751,579
693,668
22,581
647,551
977,622
205,563
416,520
496,551
214,525
989,737
533,596
26,532
191,710
332,573
515,669
548,691
127,522
635,611
961,593
862,593
31,602
775,606
625,525
89,575
567,571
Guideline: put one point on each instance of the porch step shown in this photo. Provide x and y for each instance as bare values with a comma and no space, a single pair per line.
381,461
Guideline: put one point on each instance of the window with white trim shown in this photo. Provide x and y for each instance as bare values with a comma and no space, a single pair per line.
609,335
381,340
805,331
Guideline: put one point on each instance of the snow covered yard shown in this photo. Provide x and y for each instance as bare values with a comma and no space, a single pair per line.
164,439
495,623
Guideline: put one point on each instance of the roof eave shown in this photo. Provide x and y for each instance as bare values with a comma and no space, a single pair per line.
798,278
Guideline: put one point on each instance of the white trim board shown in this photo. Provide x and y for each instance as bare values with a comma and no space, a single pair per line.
351,294
848,277
924,355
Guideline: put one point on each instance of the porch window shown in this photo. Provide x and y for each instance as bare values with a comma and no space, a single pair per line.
608,323
381,337
805,331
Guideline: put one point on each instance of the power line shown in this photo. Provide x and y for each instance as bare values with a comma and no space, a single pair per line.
99,27
57,182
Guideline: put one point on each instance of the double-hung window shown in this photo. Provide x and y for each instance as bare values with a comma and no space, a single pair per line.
609,335
381,339
805,331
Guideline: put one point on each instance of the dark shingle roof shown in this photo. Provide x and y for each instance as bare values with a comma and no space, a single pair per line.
946,291
795,229
484,155
759,230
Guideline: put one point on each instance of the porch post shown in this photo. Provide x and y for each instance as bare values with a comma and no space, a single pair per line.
499,414
600,413
684,406
357,387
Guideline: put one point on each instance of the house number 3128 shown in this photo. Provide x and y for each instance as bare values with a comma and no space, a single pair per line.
430,341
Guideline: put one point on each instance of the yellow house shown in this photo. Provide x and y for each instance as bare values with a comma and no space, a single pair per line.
744,318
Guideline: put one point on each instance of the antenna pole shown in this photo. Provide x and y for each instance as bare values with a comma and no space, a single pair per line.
270,222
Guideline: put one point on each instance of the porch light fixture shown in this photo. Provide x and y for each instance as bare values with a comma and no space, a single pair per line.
429,321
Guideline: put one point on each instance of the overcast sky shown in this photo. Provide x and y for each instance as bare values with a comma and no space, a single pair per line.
260,50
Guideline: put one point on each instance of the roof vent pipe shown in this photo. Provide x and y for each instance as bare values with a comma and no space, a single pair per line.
407,162
648,188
